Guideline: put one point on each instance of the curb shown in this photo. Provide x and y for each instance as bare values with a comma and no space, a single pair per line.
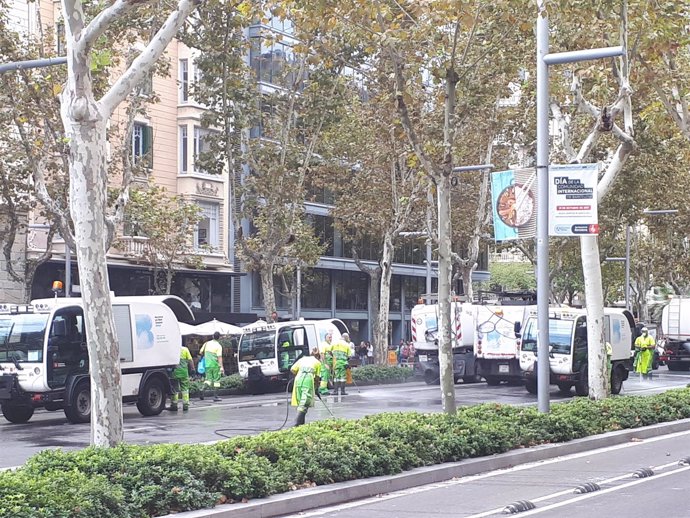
341,492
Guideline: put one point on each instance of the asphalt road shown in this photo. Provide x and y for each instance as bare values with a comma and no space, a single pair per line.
207,421
550,487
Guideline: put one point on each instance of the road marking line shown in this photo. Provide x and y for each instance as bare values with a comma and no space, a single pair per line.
569,491
482,476
603,491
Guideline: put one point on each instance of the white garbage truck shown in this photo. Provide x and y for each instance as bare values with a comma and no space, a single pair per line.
424,332
267,351
497,340
568,348
44,360
675,334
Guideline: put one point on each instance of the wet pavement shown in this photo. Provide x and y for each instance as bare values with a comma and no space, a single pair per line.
236,415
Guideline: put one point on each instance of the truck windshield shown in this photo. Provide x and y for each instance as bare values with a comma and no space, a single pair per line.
257,346
560,336
21,337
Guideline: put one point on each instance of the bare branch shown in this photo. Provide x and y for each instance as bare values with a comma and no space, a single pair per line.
143,63
99,24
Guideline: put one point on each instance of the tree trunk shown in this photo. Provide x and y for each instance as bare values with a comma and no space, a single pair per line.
445,346
86,131
596,351
379,343
467,280
381,322
267,289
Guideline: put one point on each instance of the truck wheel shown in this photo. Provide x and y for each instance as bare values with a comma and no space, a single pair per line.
564,388
431,378
582,385
78,409
493,381
616,380
152,399
17,413
531,385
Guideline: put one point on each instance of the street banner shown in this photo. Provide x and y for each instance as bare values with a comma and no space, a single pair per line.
514,204
573,200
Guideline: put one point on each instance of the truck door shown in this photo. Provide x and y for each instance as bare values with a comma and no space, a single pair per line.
67,352
580,344
292,345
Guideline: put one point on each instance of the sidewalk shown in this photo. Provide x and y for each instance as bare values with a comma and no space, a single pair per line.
305,499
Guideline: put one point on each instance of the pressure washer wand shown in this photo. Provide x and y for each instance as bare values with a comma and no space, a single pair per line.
324,404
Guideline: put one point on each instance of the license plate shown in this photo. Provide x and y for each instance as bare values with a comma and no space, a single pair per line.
504,369
422,357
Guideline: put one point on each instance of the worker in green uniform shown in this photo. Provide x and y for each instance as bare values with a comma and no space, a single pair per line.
307,371
180,378
644,348
212,352
340,363
285,356
326,358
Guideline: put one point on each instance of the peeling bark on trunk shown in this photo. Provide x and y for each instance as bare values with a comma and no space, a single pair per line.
599,383
267,290
445,346
381,322
88,202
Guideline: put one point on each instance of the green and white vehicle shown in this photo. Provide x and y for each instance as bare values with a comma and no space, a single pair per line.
568,348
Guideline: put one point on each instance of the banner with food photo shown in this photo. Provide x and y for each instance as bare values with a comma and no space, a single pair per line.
514,202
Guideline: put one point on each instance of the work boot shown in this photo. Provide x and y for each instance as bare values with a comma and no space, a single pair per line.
172,407
342,389
215,396
301,416
185,408
201,394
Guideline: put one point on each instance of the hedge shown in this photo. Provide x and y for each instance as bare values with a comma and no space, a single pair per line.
377,374
143,481
233,384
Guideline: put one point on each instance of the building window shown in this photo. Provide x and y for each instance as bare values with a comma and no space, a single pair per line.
208,228
142,143
351,290
316,289
201,146
184,80
323,229
272,62
184,149
60,38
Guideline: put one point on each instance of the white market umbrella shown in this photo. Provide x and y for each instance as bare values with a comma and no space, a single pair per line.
254,325
187,329
209,328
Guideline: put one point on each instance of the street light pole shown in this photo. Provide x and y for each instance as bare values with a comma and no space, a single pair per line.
544,59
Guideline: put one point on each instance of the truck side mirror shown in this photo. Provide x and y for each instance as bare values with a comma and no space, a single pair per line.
517,327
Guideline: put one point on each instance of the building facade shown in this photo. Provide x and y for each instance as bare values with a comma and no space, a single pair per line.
170,137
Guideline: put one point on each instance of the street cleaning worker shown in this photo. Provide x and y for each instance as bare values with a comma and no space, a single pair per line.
326,359
180,379
307,371
212,353
644,348
285,356
340,363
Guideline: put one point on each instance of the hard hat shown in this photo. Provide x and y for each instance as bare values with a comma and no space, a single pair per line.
644,330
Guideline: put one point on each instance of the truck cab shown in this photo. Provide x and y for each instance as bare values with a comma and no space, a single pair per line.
568,355
44,359
267,352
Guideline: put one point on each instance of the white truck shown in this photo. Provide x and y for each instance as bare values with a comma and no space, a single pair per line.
568,348
266,352
497,341
44,359
424,332
675,334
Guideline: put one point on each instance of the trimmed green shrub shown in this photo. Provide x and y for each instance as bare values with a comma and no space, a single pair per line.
233,383
381,374
145,481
